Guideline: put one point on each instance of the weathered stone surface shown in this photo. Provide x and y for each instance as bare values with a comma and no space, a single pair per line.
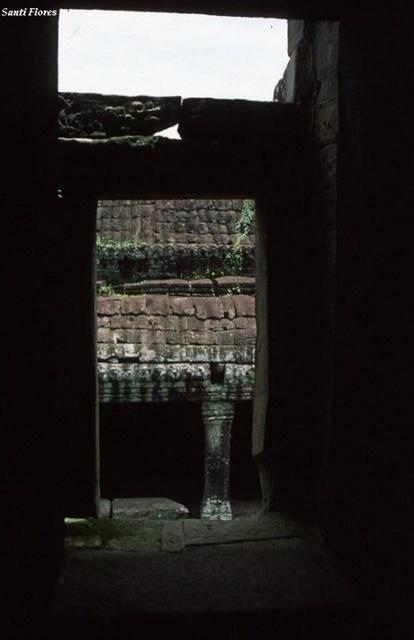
125,535
89,541
325,50
229,309
326,122
172,537
178,287
108,306
246,323
157,305
244,305
103,321
166,383
104,508
194,324
116,534
175,287
217,421
105,335
134,305
325,167
182,306
234,284
212,119
202,287
151,508
147,357
151,286
298,78
271,526
241,354
296,31
208,308
163,239
93,115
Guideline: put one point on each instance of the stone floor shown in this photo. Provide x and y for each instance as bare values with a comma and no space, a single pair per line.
269,577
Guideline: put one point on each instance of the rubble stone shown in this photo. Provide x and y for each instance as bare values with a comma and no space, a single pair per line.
151,508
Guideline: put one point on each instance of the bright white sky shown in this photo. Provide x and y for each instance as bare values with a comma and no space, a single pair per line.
163,54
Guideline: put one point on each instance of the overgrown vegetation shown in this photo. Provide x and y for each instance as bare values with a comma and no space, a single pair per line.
108,249
234,260
104,289
130,259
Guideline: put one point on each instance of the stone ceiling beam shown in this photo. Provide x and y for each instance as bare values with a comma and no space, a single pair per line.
97,116
160,167
206,119
92,115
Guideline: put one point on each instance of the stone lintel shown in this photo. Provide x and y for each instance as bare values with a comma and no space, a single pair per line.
144,167
232,120
97,116
93,115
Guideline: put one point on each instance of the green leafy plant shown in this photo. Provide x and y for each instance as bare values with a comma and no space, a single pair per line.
109,249
105,289
233,262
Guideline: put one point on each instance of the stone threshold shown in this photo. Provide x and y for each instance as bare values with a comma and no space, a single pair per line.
160,534
176,536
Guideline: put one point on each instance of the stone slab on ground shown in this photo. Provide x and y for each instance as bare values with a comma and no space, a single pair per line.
127,536
151,508
86,541
140,534
172,537
105,507
117,534
271,526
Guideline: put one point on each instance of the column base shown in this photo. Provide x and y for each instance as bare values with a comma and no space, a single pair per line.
216,510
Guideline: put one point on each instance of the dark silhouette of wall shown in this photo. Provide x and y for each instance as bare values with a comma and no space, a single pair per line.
369,466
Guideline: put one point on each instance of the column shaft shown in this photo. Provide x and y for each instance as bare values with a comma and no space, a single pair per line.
217,419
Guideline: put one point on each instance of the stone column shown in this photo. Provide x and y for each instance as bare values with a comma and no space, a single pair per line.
217,419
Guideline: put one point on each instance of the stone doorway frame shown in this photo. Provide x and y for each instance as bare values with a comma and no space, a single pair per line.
86,206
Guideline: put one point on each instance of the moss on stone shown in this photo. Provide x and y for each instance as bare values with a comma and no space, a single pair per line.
108,533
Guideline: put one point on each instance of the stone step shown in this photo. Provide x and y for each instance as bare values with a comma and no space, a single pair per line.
194,533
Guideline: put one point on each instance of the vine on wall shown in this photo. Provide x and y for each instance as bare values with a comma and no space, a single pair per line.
234,261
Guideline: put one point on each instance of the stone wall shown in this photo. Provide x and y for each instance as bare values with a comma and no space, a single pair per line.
141,239
300,241
174,335
190,221
169,347
311,80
